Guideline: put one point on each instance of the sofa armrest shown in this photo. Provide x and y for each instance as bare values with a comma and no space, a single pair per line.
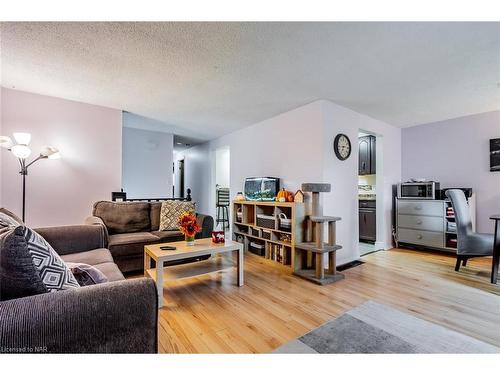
114,317
96,220
70,239
91,220
207,225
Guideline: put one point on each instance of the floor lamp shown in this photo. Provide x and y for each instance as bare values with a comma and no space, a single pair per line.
22,151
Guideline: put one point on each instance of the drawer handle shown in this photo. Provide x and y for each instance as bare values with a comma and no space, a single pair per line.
419,221
419,236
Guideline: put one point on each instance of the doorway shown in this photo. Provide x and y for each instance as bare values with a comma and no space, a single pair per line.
178,187
222,188
369,197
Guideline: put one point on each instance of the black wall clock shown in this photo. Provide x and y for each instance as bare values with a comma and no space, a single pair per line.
342,146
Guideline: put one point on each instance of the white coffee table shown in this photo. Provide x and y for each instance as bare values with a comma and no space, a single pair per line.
201,247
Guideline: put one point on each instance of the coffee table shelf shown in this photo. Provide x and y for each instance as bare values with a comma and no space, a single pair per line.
219,261
182,271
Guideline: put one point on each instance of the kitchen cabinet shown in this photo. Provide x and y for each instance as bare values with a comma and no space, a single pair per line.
367,220
367,155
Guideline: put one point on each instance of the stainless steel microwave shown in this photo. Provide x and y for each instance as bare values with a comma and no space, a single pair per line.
418,190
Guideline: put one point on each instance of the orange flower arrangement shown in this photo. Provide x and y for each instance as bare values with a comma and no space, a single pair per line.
188,224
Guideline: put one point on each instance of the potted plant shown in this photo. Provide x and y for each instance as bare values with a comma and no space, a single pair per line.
189,227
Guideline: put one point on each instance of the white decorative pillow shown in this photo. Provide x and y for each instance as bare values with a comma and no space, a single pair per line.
171,211
7,221
51,268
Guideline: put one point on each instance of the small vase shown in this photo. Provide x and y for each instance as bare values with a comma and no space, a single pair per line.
189,240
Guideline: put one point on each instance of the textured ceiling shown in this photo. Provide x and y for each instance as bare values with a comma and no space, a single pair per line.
209,79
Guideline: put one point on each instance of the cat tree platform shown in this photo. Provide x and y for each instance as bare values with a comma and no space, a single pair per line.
312,246
324,219
318,274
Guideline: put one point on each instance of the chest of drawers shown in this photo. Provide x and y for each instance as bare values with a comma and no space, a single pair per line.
421,222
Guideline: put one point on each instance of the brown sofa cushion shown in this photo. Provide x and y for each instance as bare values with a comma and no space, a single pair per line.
124,217
168,235
91,257
111,271
129,243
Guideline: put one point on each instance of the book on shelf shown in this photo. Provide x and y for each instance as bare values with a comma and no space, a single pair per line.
276,252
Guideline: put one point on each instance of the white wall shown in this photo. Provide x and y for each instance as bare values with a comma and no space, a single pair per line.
456,153
284,146
222,166
297,147
147,163
61,191
343,175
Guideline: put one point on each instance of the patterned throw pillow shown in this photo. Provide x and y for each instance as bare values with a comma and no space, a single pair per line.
18,275
86,274
16,218
51,268
8,221
171,211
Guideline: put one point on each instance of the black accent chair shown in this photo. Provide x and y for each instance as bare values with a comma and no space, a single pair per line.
470,244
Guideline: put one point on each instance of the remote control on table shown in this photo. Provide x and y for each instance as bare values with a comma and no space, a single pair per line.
167,247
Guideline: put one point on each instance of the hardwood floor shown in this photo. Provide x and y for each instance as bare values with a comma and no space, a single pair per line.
210,314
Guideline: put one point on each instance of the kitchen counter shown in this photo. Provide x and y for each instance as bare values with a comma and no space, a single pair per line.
363,197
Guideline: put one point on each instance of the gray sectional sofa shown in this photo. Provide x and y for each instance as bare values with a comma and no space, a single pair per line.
119,316
128,226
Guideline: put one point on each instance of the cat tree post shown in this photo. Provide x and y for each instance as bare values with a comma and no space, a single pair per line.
332,240
314,241
319,245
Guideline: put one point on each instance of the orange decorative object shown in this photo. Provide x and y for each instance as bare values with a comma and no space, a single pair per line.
188,224
282,195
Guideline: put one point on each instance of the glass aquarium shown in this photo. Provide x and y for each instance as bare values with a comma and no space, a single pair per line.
261,188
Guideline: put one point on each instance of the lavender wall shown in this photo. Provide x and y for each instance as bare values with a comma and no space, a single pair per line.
456,153
89,137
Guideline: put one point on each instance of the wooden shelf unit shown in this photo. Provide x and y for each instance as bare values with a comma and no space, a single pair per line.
245,227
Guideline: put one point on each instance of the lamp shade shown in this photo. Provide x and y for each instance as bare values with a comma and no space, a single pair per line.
55,155
48,151
21,151
5,142
22,138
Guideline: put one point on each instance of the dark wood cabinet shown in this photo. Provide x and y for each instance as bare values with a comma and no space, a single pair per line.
367,221
367,155
373,154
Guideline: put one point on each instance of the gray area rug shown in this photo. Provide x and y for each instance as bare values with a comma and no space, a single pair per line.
376,328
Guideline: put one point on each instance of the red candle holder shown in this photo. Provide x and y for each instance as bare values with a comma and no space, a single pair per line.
218,236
